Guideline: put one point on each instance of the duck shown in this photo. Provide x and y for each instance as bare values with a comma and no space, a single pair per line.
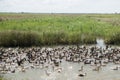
115,68
59,69
82,74
81,69
48,72
13,71
23,69
97,68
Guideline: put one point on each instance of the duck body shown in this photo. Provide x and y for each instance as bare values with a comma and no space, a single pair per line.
82,74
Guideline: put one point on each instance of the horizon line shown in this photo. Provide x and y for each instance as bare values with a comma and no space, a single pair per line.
62,12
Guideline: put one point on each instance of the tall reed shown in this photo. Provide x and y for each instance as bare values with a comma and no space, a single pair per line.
29,38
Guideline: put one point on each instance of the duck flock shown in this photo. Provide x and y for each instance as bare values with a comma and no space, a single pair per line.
14,60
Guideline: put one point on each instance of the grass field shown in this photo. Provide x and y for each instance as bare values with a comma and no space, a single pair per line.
24,29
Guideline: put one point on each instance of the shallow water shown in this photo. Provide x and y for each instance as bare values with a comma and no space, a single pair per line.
69,72
100,43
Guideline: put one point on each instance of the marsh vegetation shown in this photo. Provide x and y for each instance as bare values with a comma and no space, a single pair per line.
26,30
53,29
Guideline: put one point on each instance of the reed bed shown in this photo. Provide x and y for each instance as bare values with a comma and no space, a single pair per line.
114,39
27,39
53,29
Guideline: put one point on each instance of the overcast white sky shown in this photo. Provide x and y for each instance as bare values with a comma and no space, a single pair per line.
60,6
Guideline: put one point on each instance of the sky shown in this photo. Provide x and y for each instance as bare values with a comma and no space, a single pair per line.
60,6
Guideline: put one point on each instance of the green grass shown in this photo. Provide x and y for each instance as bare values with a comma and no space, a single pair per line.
54,29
